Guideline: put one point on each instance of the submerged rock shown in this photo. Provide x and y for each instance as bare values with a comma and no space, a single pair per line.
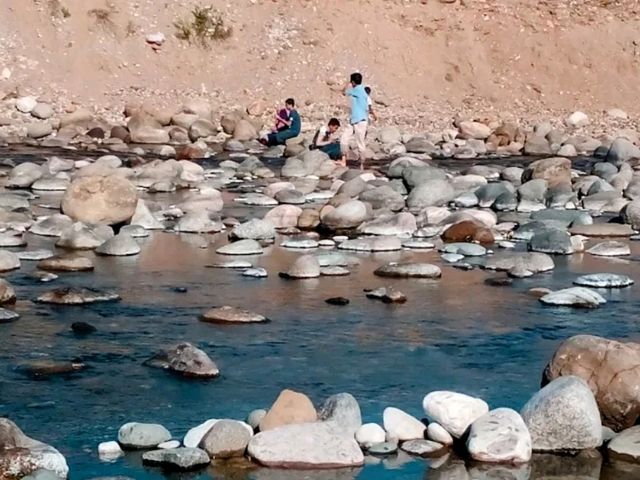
66,263
186,360
8,261
387,295
604,280
574,297
409,270
77,296
227,314
424,448
177,458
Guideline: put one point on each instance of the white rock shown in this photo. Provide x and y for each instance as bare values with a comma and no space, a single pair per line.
453,411
438,433
26,104
500,436
195,435
370,434
109,450
577,120
169,445
401,426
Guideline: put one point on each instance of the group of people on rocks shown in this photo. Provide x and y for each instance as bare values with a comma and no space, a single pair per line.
330,138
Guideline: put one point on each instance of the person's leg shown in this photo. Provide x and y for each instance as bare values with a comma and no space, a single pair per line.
345,139
333,150
279,138
360,134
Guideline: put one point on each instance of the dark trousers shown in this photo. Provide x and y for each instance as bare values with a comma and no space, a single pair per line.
280,137
333,150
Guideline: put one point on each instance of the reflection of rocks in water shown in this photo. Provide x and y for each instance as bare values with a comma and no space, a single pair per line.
279,474
453,470
488,471
583,466
619,470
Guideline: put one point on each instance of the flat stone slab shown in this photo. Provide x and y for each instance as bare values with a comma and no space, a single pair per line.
77,296
334,271
35,255
381,244
300,243
604,280
577,297
229,315
8,316
177,458
602,230
424,448
465,249
231,264
409,270
610,249
241,247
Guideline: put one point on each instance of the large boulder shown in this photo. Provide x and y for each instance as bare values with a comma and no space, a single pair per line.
453,411
429,194
556,171
400,426
94,200
563,416
305,446
348,215
612,371
475,130
622,150
289,408
499,436
21,455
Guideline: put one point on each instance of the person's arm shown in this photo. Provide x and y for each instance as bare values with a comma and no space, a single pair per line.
323,139
348,89
373,113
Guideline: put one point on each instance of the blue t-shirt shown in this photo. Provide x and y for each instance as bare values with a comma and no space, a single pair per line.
296,123
359,104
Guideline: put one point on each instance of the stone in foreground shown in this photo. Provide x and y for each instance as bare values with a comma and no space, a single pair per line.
612,370
563,417
401,426
305,446
241,247
232,315
186,360
21,455
227,439
500,436
141,436
370,434
626,445
343,412
453,411
177,458
424,448
578,297
66,263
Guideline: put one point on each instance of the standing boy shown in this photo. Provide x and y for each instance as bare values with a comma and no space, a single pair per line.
358,120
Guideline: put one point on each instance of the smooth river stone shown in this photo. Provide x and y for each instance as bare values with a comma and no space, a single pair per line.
8,316
602,230
409,270
626,445
142,435
232,264
604,280
35,255
255,273
334,272
76,296
563,416
500,436
299,243
418,245
401,426
579,297
610,249
466,249
424,448
378,244
370,434
453,411
306,266
241,247
66,263
227,314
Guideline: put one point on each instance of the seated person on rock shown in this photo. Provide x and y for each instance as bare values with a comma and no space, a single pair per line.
327,139
290,129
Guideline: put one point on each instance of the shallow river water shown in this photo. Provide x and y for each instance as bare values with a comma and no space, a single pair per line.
455,333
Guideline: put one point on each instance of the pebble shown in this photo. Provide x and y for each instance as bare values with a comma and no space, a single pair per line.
255,273
339,301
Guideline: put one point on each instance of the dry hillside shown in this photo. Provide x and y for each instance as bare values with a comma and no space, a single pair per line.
430,59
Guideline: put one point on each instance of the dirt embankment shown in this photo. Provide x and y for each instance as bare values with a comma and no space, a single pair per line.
428,60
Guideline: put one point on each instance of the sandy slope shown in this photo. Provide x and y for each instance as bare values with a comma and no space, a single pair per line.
423,57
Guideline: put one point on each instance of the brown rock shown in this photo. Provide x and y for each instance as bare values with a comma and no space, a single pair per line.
120,132
189,152
468,231
80,117
244,131
257,108
612,370
66,263
97,199
556,171
7,293
290,407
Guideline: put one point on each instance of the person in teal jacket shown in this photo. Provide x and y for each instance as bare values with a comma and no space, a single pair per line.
290,129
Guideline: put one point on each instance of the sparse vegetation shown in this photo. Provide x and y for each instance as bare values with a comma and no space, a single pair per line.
57,9
206,24
132,29
103,17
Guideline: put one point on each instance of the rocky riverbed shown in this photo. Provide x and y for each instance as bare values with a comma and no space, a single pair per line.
154,294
